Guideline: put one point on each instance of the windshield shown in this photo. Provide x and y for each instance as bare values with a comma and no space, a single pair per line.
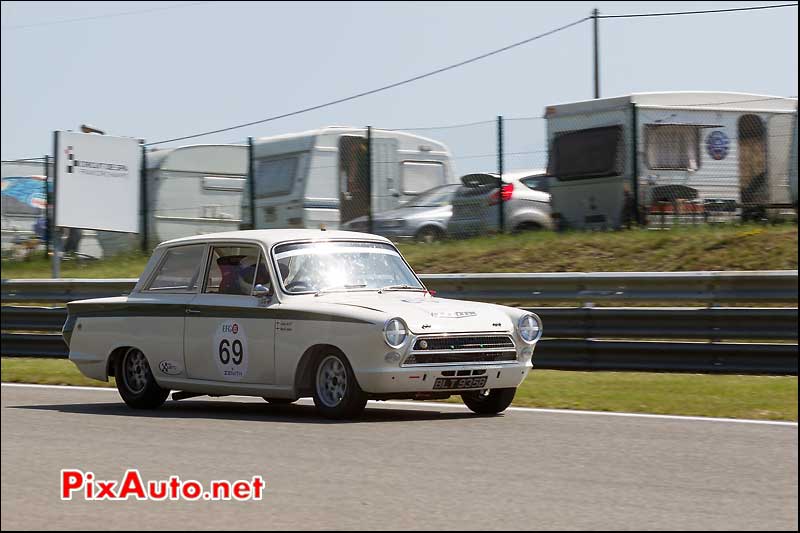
342,266
436,197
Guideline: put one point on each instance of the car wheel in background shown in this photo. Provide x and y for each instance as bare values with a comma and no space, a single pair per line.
135,381
336,391
528,226
489,401
429,234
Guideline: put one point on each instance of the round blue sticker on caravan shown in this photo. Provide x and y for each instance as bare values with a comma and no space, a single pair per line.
717,144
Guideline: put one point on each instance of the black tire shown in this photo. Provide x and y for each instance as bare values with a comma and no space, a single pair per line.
137,386
336,391
278,401
489,402
528,226
429,234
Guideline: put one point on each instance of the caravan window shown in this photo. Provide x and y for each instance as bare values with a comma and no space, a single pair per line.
275,177
592,153
672,146
419,176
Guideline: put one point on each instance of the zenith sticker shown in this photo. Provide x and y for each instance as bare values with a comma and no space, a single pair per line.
230,350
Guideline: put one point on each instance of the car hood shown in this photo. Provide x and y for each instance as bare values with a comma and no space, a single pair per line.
424,313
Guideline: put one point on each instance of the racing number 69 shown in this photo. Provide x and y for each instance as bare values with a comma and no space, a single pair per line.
225,353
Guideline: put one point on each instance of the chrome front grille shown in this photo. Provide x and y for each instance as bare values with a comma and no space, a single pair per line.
461,349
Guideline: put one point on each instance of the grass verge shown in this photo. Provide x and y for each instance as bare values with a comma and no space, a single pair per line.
754,397
703,247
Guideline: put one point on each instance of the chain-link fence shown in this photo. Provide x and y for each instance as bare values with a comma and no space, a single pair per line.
651,160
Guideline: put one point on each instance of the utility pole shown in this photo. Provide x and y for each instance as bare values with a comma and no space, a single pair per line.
596,18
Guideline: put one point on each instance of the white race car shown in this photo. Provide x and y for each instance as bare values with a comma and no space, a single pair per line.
286,314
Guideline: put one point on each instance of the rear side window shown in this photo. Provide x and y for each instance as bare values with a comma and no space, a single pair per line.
178,271
419,176
537,183
583,154
275,177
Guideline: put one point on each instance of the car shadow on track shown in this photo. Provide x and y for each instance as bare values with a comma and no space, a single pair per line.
251,411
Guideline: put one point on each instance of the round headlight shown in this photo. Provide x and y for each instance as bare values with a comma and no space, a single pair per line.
395,332
530,328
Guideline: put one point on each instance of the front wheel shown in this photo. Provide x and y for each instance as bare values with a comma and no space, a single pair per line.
336,391
489,401
135,381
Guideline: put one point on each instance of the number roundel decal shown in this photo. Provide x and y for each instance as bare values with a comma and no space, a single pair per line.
229,350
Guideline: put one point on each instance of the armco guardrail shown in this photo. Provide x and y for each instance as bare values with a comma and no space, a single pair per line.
585,337
748,286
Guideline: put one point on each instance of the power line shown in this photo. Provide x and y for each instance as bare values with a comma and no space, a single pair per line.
698,12
110,15
380,89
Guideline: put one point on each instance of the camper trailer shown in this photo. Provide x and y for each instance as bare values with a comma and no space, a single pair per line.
321,177
193,190
641,156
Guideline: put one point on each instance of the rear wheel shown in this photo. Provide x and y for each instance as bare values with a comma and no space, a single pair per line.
336,392
528,226
489,401
135,381
429,234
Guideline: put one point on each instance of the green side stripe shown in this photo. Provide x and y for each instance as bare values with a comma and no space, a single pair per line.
131,310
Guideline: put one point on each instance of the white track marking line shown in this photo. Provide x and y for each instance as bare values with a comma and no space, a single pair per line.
463,407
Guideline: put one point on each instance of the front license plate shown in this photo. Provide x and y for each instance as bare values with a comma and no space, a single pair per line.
459,383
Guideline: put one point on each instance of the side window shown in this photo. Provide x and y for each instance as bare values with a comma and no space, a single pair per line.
235,270
179,270
586,154
419,176
537,183
275,177
672,147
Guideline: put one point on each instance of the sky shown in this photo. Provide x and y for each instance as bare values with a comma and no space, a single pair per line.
156,70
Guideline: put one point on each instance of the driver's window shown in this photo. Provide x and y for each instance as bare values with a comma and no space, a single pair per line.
235,270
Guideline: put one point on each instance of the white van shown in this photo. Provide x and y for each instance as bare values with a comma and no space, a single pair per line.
695,153
319,177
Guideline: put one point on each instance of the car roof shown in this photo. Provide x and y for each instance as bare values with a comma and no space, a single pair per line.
270,237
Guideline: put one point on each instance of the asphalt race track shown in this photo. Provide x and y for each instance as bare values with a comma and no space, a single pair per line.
401,466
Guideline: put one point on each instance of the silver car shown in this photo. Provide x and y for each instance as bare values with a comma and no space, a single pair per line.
525,197
423,219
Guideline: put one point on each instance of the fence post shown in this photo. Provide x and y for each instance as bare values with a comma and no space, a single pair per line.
47,203
595,18
369,179
251,182
500,171
144,207
55,234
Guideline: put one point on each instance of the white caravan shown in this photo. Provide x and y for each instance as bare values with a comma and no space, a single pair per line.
194,190
320,177
700,152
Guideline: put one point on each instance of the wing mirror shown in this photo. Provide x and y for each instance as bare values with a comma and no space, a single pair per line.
261,291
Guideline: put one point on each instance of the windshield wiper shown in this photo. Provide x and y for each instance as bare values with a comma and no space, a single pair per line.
339,287
400,288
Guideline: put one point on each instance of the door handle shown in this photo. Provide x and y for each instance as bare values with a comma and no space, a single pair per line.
192,311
